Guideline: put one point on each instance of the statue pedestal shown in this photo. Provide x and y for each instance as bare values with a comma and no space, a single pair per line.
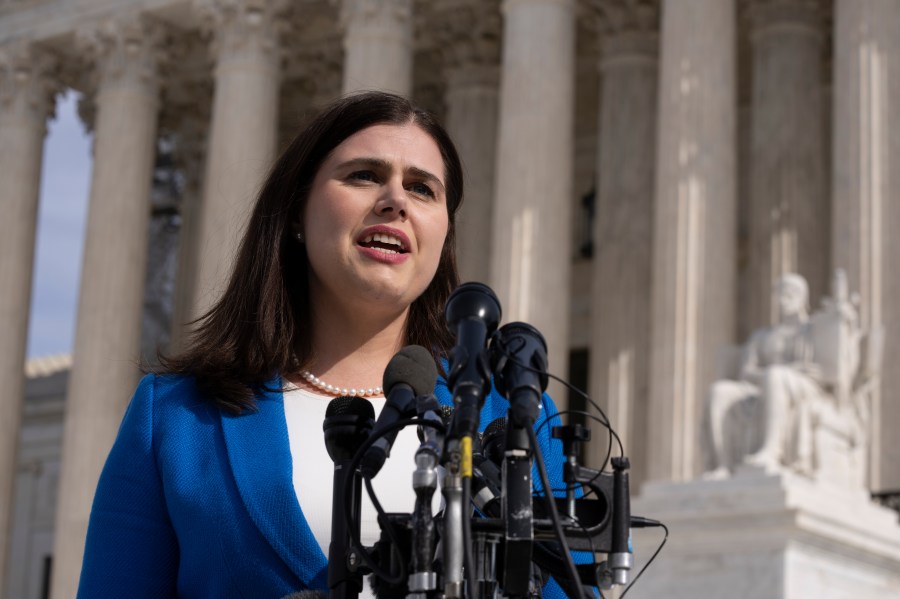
759,536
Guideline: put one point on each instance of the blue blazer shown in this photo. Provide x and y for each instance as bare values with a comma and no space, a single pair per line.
193,502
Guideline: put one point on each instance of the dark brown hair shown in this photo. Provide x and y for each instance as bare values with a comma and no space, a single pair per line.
259,327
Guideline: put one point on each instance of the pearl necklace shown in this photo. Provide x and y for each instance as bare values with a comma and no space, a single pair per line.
333,390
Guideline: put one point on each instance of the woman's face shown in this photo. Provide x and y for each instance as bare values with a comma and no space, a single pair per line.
376,218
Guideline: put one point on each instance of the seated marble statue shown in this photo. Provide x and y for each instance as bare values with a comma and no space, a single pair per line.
795,378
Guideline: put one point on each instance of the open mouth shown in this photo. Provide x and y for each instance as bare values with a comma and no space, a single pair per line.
384,242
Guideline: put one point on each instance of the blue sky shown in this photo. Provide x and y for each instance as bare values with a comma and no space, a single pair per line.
62,214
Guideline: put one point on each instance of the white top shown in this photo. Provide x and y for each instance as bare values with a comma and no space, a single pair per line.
314,471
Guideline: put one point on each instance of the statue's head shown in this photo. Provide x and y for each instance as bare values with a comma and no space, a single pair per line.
792,295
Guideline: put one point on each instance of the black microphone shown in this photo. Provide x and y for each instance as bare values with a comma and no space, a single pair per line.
410,373
428,411
621,559
473,313
487,455
348,422
519,361
493,440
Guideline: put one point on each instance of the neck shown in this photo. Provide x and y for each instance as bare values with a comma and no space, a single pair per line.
351,350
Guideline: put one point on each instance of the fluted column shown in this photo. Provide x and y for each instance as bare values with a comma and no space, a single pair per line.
623,234
190,152
27,90
242,134
107,336
472,54
694,227
531,259
866,188
378,45
789,208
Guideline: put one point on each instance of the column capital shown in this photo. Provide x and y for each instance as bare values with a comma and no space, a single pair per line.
629,32
619,16
387,12
126,52
469,40
629,48
512,4
243,29
28,81
320,64
768,17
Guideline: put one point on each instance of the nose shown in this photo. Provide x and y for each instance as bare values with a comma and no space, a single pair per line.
393,201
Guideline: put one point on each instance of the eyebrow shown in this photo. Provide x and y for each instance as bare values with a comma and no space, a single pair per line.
379,163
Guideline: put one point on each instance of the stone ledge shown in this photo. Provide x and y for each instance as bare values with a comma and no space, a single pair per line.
757,535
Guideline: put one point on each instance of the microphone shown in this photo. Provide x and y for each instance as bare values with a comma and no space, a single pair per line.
493,440
428,408
519,360
348,421
620,558
472,312
410,373
487,482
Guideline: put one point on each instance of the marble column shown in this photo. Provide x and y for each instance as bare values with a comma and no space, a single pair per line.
866,188
242,136
107,337
623,239
190,154
378,45
472,57
27,90
532,238
788,200
693,310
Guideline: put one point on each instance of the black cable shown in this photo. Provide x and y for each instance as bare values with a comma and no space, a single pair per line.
348,511
468,557
554,515
606,422
386,525
647,523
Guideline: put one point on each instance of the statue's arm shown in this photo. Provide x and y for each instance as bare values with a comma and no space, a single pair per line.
750,368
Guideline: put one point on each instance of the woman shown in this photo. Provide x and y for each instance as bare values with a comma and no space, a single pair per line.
214,486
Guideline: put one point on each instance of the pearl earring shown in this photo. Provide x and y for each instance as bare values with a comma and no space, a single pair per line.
300,237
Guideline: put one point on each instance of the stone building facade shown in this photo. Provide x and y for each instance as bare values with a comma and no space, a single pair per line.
724,143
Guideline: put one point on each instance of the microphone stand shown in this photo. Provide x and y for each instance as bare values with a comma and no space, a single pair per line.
422,580
519,356
517,510
472,312
452,540
345,581
348,422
